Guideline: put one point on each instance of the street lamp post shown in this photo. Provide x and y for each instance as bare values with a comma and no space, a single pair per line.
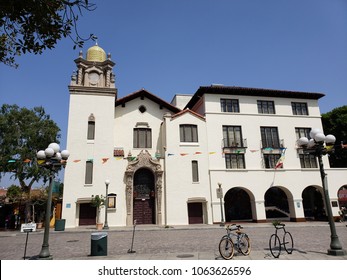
51,158
107,182
321,145
220,196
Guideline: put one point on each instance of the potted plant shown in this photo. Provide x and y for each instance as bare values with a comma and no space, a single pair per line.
98,202
40,219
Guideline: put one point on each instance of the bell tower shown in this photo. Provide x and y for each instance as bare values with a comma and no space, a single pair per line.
90,133
95,71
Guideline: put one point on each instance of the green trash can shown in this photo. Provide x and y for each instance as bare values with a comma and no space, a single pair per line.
59,225
99,244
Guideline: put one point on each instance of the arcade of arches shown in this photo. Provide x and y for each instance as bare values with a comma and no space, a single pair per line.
238,203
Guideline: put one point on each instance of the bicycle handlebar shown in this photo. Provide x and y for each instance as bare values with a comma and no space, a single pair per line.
237,227
278,226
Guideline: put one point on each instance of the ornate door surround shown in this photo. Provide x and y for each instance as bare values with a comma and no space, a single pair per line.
143,160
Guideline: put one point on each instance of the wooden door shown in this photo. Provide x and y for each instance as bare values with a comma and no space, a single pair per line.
195,214
87,214
144,211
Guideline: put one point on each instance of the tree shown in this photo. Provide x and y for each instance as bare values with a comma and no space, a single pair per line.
14,193
23,132
34,26
334,122
98,202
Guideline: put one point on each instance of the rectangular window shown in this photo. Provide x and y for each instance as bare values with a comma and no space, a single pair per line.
188,133
230,105
299,108
91,130
235,161
89,173
232,136
269,137
195,171
142,138
270,160
302,132
308,161
266,107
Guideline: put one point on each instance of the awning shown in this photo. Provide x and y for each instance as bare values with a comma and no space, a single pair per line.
84,200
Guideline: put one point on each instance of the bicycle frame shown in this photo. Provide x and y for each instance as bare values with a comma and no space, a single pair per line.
235,233
275,243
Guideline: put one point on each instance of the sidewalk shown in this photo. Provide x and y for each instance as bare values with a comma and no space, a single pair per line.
192,242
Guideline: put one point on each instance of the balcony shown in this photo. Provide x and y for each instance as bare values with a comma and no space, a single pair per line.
272,148
230,146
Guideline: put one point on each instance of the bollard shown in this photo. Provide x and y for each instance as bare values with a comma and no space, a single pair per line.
26,242
130,251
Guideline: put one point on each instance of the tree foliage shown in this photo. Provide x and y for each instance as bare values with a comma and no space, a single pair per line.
22,133
36,25
335,122
14,193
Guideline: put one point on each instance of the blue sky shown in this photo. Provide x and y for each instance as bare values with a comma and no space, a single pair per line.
175,46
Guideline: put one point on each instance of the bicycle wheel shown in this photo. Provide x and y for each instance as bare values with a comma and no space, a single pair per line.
244,244
226,248
275,245
288,242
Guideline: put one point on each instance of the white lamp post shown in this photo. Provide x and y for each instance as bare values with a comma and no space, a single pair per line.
52,159
321,145
107,182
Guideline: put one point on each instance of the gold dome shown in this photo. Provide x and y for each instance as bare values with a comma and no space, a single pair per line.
95,53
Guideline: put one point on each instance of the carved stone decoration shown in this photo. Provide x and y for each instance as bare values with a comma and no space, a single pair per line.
79,76
143,160
108,77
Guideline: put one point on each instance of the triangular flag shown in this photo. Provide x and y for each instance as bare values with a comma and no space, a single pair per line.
77,160
197,153
183,154
211,153
170,155
27,160
104,160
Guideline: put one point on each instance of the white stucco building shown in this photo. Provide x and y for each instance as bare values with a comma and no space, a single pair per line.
166,161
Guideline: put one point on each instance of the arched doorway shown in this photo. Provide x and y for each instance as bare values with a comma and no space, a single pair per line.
146,170
313,203
237,205
144,195
276,203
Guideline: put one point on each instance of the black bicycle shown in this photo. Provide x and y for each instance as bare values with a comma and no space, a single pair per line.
239,240
275,243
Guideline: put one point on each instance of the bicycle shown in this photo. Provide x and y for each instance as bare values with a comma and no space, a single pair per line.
275,243
239,240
